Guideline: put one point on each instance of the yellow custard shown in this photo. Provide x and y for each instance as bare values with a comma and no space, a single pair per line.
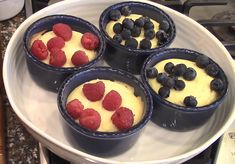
129,100
71,46
199,87
109,29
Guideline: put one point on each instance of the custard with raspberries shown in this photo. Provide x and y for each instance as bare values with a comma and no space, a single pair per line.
129,103
67,46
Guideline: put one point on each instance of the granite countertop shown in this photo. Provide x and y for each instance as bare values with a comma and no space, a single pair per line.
21,147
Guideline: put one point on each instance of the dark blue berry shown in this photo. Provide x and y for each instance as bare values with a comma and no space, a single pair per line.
140,22
179,85
217,85
190,74
179,69
164,92
146,19
151,72
117,38
164,25
149,34
161,37
162,77
131,43
202,61
212,70
117,28
126,34
126,11
114,15
145,44
128,23
148,25
190,101
135,32
169,82
168,67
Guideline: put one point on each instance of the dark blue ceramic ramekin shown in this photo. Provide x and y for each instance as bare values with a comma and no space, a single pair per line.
104,143
47,76
131,60
172,116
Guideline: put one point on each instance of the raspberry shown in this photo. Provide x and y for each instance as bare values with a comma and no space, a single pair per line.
62,30
57,58
79,58
90,119
94,91
39,50
89,41
74,108
123,118
112,100
56,42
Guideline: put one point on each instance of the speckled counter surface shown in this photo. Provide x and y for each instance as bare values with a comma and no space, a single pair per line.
21,147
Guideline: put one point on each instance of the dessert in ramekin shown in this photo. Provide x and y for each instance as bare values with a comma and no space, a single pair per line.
186,86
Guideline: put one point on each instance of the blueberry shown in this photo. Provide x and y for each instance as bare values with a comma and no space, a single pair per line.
168,67
212,70
179,85
128,23
169,82
146,19
114,15
202,61
140,22
151,72
162,77
117,38
117,28
190,74
161,37
217,85
179,69
136,31
126,11
126,34
148,25
164,92
164,25
190,101
131,43
145,44
149,34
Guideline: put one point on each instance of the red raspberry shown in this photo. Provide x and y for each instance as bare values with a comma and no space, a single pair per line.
63,30
90,119
79,58
123,118
57,58
56,42
74,108
89,41
94,91
112,100
39,50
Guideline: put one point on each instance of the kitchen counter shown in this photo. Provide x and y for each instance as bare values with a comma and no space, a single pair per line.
21,147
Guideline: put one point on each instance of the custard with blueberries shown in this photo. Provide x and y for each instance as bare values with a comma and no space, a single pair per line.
97,105
63,47
186,83
136,31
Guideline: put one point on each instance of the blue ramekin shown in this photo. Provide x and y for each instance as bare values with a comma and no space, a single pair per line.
103,143
47,76
131,60
176,117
